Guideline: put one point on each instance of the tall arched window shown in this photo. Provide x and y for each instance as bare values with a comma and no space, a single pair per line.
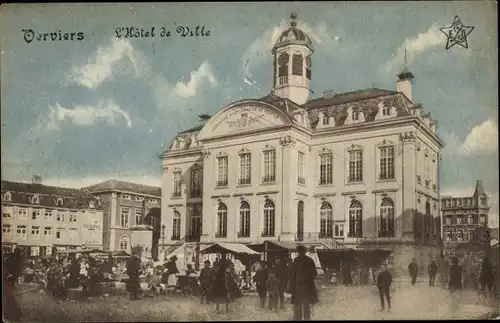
269,219
176,226
124,243
386,228
221,221
355,219
300,220
244,220
326,220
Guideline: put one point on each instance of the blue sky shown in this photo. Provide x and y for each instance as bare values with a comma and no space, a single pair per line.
78,112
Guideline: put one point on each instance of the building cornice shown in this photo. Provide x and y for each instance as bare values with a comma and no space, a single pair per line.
182,153
127,193
40,206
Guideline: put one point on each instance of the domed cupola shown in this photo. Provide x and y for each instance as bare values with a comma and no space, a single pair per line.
292,64
293,35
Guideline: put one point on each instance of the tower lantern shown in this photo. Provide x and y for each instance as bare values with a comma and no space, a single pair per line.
292,64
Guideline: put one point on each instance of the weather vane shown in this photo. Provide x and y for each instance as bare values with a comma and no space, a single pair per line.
294,17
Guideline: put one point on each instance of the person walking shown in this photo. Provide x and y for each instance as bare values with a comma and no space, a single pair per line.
273,289
384,281
260,279
219,291
432,270
282,271
303,273
413,271
455,284
206,277
486,278
172,272
133,272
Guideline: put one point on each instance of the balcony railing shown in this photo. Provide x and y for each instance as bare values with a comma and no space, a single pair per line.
267,234
175,237
244,181
268,179
243,234
193,238
195,193
301,180
221,183
221,234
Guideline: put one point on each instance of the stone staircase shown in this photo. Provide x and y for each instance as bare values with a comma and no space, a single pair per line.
174,247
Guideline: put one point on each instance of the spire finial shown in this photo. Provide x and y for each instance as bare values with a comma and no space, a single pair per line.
406,61
294,17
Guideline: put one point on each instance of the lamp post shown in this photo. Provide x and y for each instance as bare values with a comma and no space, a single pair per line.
163,237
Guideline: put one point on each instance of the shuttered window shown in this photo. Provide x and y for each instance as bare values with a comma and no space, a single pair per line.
297,65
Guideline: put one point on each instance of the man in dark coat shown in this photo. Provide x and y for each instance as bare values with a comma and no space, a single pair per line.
303,273
219,291
133,268
384,281
433,269
260,279
282,272
486,277
413,271
12,263
455,284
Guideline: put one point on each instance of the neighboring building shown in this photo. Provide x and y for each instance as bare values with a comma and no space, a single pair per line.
464,222
359,168
42,219
131,216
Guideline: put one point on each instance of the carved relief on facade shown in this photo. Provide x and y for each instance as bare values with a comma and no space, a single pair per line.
287,141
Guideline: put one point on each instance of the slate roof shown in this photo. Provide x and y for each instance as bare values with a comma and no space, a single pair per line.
48,195
114,185
347,97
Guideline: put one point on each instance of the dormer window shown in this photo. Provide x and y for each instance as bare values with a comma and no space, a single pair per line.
386,110
7,196
177,144
91,204
326,120
355,114
35,199
59,202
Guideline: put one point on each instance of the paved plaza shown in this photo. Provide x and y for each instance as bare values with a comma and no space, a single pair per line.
336,302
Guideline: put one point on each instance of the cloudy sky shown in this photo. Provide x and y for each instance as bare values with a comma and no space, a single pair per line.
78,112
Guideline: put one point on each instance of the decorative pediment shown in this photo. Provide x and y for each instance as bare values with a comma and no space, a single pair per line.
35,199
243,151
268,147
386,143
197,166
354,147
244,116
324,151
352,197
221,154
408,136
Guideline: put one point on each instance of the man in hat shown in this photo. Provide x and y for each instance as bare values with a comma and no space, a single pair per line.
303,273
133,268
413,271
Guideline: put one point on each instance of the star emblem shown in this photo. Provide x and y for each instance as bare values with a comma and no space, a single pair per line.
457,33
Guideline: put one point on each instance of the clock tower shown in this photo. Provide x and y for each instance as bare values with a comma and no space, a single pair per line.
292,64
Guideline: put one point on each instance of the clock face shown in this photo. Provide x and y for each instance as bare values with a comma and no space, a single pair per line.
308,61
283,59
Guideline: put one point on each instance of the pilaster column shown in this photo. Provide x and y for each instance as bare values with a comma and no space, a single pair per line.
409,203
288,219
208,212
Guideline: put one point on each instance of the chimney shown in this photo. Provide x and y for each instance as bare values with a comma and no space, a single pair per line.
328,94
37,179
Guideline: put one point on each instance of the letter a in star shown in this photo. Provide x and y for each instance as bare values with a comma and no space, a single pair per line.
457,34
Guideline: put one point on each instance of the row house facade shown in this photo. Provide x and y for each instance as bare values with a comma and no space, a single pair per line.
43,219
359,168
131,216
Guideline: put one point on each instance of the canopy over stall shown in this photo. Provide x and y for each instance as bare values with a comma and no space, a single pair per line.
73,251
369,257
229,248
120,254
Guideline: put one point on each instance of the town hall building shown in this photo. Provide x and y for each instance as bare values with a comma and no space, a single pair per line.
359,168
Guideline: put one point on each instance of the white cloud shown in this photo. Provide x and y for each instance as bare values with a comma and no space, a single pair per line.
482,139
189,89
260,49
84,181
105,61
85,115
415,47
